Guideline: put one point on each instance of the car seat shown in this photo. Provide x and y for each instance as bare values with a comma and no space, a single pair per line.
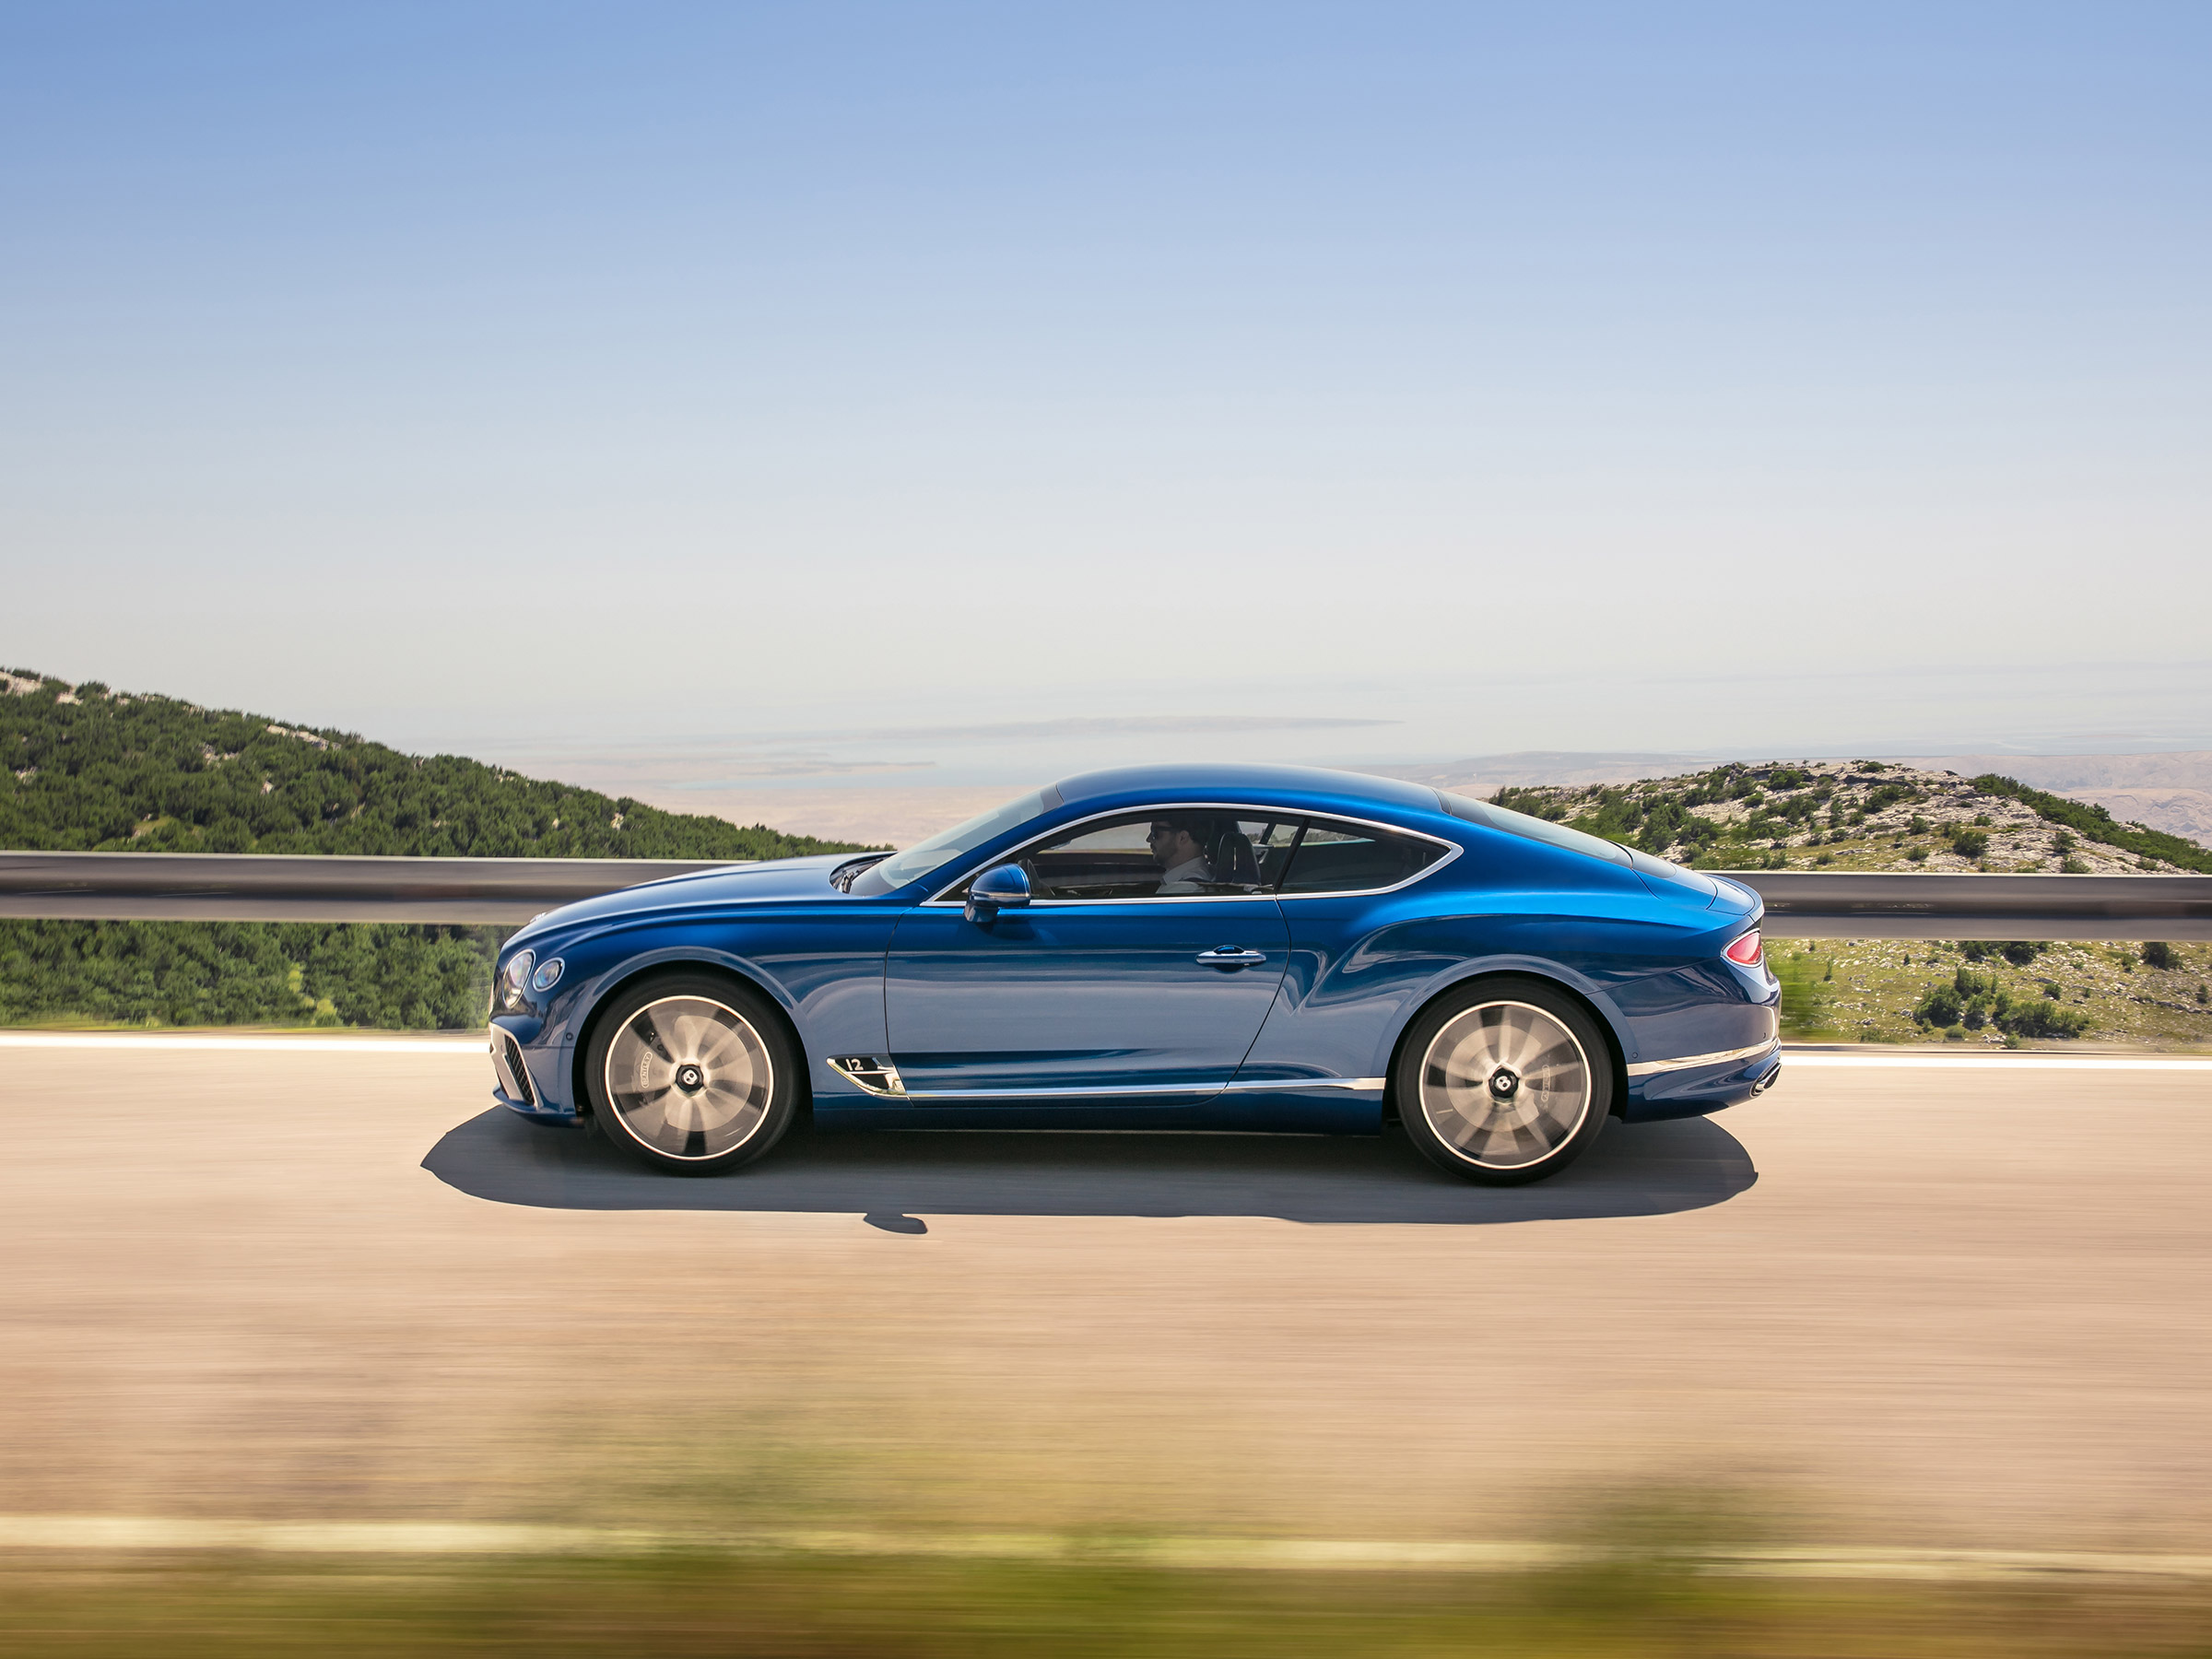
1230,859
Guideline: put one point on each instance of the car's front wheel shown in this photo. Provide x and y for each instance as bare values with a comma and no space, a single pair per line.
691,1072
1505,1082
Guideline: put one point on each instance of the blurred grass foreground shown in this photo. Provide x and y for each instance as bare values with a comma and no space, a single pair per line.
1623,1601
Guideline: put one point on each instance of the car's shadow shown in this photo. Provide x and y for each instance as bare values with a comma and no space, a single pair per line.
890,1178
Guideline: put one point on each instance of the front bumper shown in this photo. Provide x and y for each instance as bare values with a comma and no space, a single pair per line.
517,1085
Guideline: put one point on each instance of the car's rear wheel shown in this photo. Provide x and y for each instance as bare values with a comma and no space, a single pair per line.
1505,1082
691,1072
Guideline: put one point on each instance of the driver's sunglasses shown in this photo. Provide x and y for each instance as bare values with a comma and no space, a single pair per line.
1159,833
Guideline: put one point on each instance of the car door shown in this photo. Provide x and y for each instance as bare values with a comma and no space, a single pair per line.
1114,980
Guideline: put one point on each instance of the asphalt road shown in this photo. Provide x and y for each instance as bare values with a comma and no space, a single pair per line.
1944,1304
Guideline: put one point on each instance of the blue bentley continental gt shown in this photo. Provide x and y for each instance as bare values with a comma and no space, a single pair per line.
1156,947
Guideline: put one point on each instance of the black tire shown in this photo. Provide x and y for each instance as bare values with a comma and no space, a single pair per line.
1504,1082
691,1072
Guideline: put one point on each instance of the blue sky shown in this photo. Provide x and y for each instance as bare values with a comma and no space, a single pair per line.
790,379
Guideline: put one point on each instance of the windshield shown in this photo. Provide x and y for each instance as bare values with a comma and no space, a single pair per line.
922,857
1534,828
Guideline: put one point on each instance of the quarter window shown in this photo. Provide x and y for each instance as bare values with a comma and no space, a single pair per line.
1345,858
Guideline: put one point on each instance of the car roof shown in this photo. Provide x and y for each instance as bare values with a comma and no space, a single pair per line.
1231,779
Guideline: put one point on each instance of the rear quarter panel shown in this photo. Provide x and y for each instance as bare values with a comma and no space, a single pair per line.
1361,966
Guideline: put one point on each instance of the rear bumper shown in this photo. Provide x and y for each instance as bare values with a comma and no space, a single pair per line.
1702,1083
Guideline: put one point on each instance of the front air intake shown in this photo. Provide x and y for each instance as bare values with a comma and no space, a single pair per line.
507,1060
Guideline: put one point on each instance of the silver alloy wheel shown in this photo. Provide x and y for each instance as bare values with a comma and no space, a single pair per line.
1505,1084
689,1077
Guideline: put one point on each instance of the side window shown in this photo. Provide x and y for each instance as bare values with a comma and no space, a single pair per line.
1168,853
1341,858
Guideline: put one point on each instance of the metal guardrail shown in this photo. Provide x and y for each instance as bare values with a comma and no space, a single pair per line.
249,887
1820,904
254,887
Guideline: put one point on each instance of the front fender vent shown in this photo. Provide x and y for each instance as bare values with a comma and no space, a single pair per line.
877,1076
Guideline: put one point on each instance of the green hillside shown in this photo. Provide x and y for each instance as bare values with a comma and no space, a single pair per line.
88,770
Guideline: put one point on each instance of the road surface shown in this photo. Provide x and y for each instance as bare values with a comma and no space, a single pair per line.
1935,1304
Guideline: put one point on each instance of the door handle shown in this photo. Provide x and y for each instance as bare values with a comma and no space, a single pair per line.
1229,957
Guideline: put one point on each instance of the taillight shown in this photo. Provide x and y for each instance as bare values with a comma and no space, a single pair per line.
1745,952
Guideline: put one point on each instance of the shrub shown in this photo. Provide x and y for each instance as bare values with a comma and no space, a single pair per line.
1938,1005
2042,1018
1970,843
2201,995
1918,855
2156,953
2021,952
1917,826
2074,866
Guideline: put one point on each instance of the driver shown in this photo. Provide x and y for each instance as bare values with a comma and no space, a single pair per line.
1178,842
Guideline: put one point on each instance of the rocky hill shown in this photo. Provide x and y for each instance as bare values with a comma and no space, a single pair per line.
1871,815
1858,815
2170,791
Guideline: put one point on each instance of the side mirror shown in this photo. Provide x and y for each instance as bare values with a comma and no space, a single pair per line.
1003,886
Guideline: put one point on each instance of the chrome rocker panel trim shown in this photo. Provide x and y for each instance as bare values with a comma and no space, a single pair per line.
880,1078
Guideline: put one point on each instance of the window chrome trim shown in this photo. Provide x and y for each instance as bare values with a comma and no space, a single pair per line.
1652,1067
1451,851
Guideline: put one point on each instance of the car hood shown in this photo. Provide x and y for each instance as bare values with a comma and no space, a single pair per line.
782,878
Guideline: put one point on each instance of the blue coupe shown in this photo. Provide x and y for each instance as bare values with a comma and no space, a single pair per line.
1156,947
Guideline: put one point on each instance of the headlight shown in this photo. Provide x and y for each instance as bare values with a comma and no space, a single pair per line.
547,976
516,976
